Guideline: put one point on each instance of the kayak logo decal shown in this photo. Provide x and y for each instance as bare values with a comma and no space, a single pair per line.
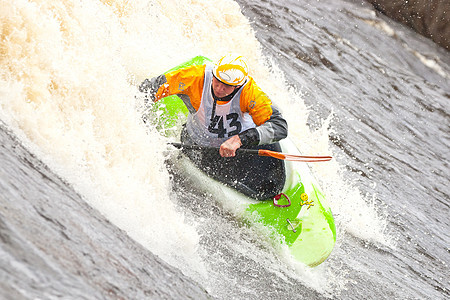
304,196
304,200
181,86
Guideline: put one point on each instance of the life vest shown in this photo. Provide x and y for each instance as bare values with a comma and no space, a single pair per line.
227,121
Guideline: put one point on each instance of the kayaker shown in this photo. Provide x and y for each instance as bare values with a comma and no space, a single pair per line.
227,110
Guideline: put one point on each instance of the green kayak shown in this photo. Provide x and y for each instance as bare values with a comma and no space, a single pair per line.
300,218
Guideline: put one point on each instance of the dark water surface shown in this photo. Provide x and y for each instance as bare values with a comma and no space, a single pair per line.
55,246
390,127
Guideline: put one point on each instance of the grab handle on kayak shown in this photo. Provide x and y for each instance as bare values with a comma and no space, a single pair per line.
278,197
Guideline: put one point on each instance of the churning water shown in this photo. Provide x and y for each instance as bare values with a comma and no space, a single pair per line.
350,83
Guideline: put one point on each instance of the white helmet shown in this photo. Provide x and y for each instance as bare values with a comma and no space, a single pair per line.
232,69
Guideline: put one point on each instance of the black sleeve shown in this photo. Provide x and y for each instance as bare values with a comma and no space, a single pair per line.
150,87
250,137
273,130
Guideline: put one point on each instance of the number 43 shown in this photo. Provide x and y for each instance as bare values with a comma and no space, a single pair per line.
217,126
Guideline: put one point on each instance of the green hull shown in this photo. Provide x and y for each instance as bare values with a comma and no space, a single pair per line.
306,226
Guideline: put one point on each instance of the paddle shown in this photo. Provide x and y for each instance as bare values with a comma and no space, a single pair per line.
262,152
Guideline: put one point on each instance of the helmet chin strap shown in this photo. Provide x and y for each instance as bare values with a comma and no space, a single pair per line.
226,99
214,104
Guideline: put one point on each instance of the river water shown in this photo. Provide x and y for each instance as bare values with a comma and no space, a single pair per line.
90,211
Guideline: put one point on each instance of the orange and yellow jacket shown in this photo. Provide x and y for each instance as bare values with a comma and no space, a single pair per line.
188,84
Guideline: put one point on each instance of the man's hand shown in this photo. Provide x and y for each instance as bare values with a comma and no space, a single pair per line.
229,147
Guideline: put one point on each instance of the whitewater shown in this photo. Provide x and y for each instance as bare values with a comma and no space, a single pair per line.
350,84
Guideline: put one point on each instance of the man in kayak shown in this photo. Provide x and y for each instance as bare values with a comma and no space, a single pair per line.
227,110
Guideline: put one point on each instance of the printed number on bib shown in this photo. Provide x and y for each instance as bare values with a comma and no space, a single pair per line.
217,125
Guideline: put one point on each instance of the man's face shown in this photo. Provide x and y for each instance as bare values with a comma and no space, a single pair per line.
221,89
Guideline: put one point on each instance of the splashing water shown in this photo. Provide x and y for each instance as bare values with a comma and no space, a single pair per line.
69,71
